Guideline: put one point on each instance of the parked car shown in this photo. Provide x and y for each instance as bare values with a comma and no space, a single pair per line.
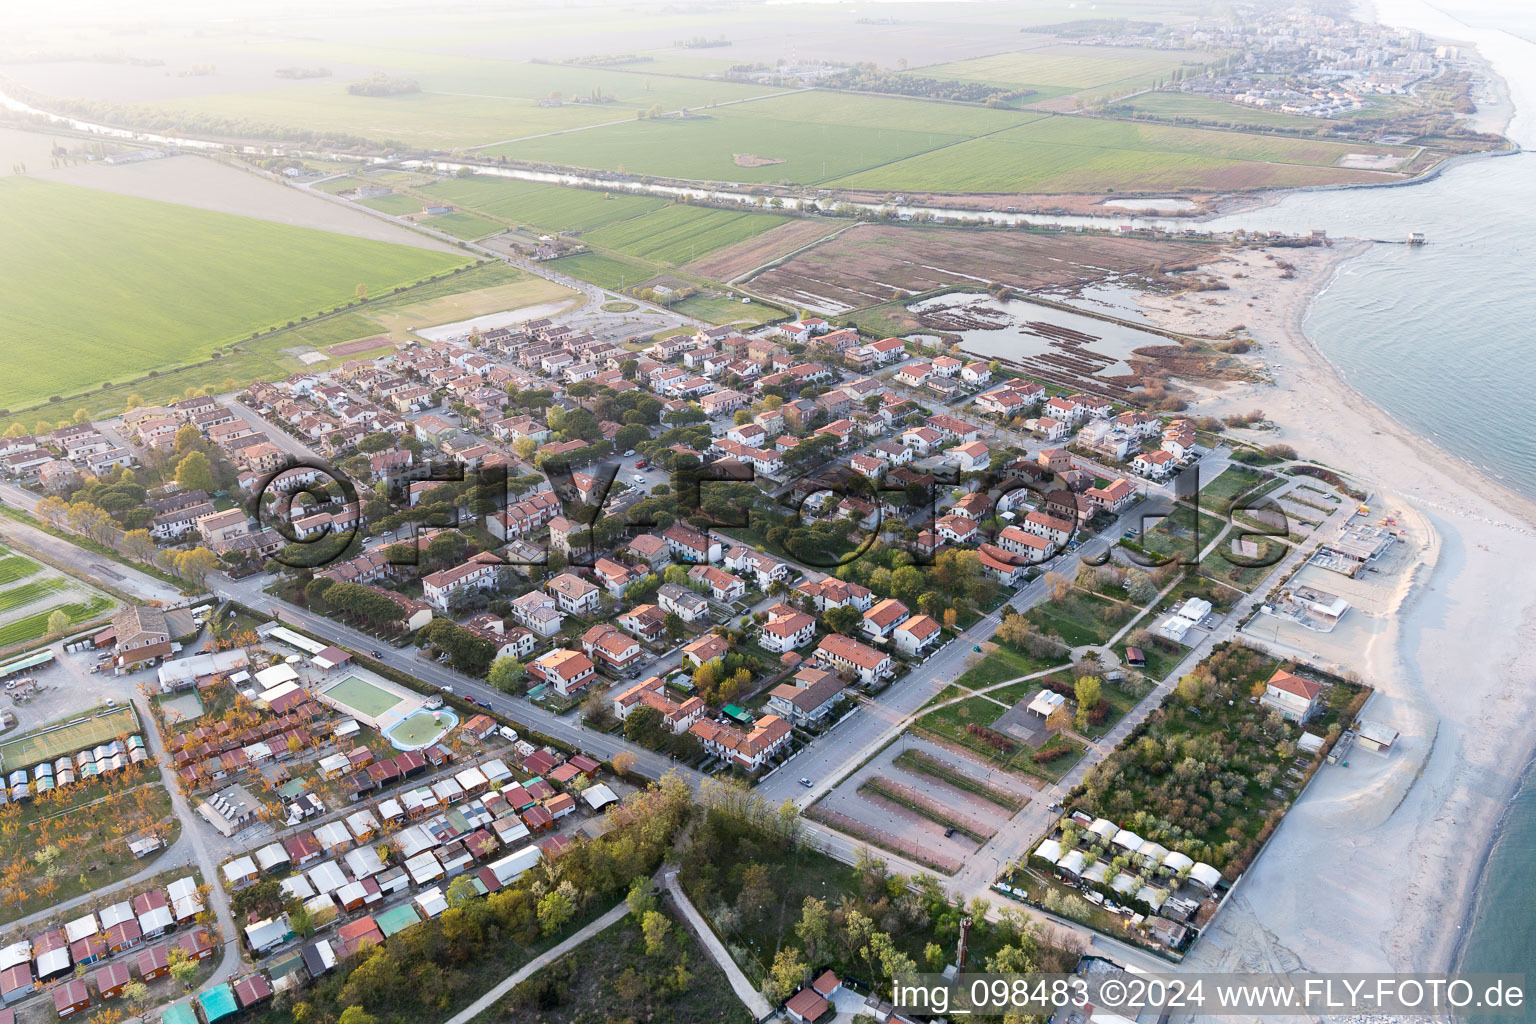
629,454
806,783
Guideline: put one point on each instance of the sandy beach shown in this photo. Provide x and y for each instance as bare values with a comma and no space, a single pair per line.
1375,867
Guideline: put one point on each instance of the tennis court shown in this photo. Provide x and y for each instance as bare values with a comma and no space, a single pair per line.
51,742
369,700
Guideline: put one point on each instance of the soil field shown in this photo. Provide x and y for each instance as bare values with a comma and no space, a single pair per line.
735,260
869,264
206,184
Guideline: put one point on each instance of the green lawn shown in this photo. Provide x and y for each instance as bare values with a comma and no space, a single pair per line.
950,723
723,309
605,271
1081,617
1078,154
106,287
1226,565
1003,664
1218,495
1176,535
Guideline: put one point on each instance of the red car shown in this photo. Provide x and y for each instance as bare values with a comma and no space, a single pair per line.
641,464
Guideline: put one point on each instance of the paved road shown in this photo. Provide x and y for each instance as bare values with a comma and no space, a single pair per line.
115,574
750,997
518,709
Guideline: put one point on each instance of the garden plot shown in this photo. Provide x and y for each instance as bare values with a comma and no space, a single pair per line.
30,593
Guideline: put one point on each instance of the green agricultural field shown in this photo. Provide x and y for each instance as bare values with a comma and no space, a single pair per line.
462,101
396,204
16,567
487,288
35,627
1051,74
105,287
606,271
805,137
84,730
464,225
680,234
546,207
1078,154
1209,110
26,593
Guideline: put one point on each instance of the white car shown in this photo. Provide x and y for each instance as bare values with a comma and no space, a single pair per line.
629,454
637,478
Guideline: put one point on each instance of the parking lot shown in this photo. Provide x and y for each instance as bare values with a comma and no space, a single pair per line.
902,798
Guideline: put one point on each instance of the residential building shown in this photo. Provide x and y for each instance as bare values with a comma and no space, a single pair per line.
855,659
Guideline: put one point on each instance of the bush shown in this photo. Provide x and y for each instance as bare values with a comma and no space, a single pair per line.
991,738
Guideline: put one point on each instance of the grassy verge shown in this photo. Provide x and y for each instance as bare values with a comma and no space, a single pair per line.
923,808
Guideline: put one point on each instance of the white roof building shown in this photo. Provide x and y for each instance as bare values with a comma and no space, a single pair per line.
1103,828
1045,703
1072,862
496,770
327,877
1176,861
431,901
1205,875
1127,840
236,871
1050,850
424,868
364,862
81,928
511,867
298,887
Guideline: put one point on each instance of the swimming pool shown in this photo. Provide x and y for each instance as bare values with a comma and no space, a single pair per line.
421,728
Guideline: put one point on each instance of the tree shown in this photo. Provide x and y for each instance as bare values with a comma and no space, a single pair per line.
196,565
182,966
656,928
137,994
786,974
644,725
194,473
356,1015
813,927
1089,692
506,674
557,907
58,622
1059,720
461,890
640,899
623,762
1057,585
845,619
188,440
756,892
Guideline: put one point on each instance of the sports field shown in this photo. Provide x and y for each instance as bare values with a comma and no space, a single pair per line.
49,743
105,287
369,700
395,204
1079,154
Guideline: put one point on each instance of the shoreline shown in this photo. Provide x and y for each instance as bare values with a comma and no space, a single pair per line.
1427,794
